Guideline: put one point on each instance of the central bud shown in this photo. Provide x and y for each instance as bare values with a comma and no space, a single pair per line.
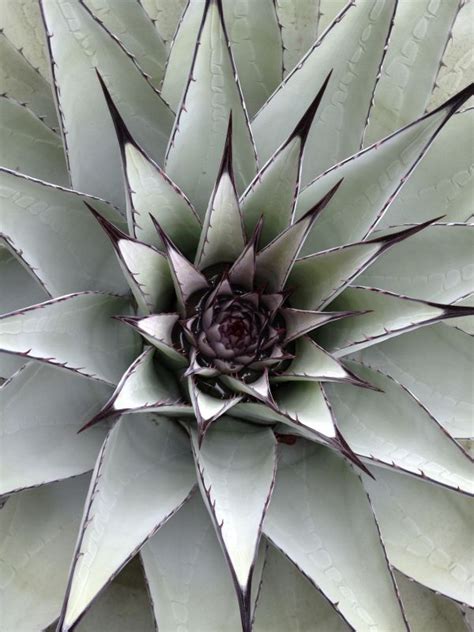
232,330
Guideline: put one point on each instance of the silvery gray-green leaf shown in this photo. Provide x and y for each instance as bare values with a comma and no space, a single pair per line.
145,465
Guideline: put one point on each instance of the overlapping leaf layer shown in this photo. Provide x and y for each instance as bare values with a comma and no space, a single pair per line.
235,284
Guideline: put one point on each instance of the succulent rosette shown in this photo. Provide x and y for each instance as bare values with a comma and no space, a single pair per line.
235,285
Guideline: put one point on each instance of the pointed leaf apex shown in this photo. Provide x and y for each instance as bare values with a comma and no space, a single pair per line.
226,163
114,233
455,102
304,125
341,444
167,243
390,240
123,134
323,202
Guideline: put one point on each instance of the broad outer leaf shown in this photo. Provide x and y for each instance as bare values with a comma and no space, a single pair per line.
21,23
20,81
131,26
353,49
237,461
426,610
41,410
79,44
288,601
388,315
321,519
435,364
144,385
435,265
58,237
427,531
143,475
457,64
393,428
30,146
195,149
76,332
189,581
440,184
417,43
153,193
123,606
165,14
372,179
18,287
299,27
37,531
148,274
223,236
254,36
305,403
317,279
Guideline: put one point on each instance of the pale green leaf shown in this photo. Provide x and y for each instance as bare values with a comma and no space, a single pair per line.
457,65
21,22
312,363
237,461
41,410
58,237
188,579
18,286
165,14
393,428
353,49
436,265
198,136
129,23
158,330
427,531
145,385
254,36
123,606
299,27
435,364
30,146
426,610
222,237
329,9
143,475
464,323
20,81
80,45
371,180
76,332
441,183
181,54
272,193
317,279
206,407
304,403
321,519
288,601
153,193
388,315
148,273
274,262
417,43
37,532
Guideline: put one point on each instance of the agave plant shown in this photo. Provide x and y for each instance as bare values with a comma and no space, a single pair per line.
235,268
